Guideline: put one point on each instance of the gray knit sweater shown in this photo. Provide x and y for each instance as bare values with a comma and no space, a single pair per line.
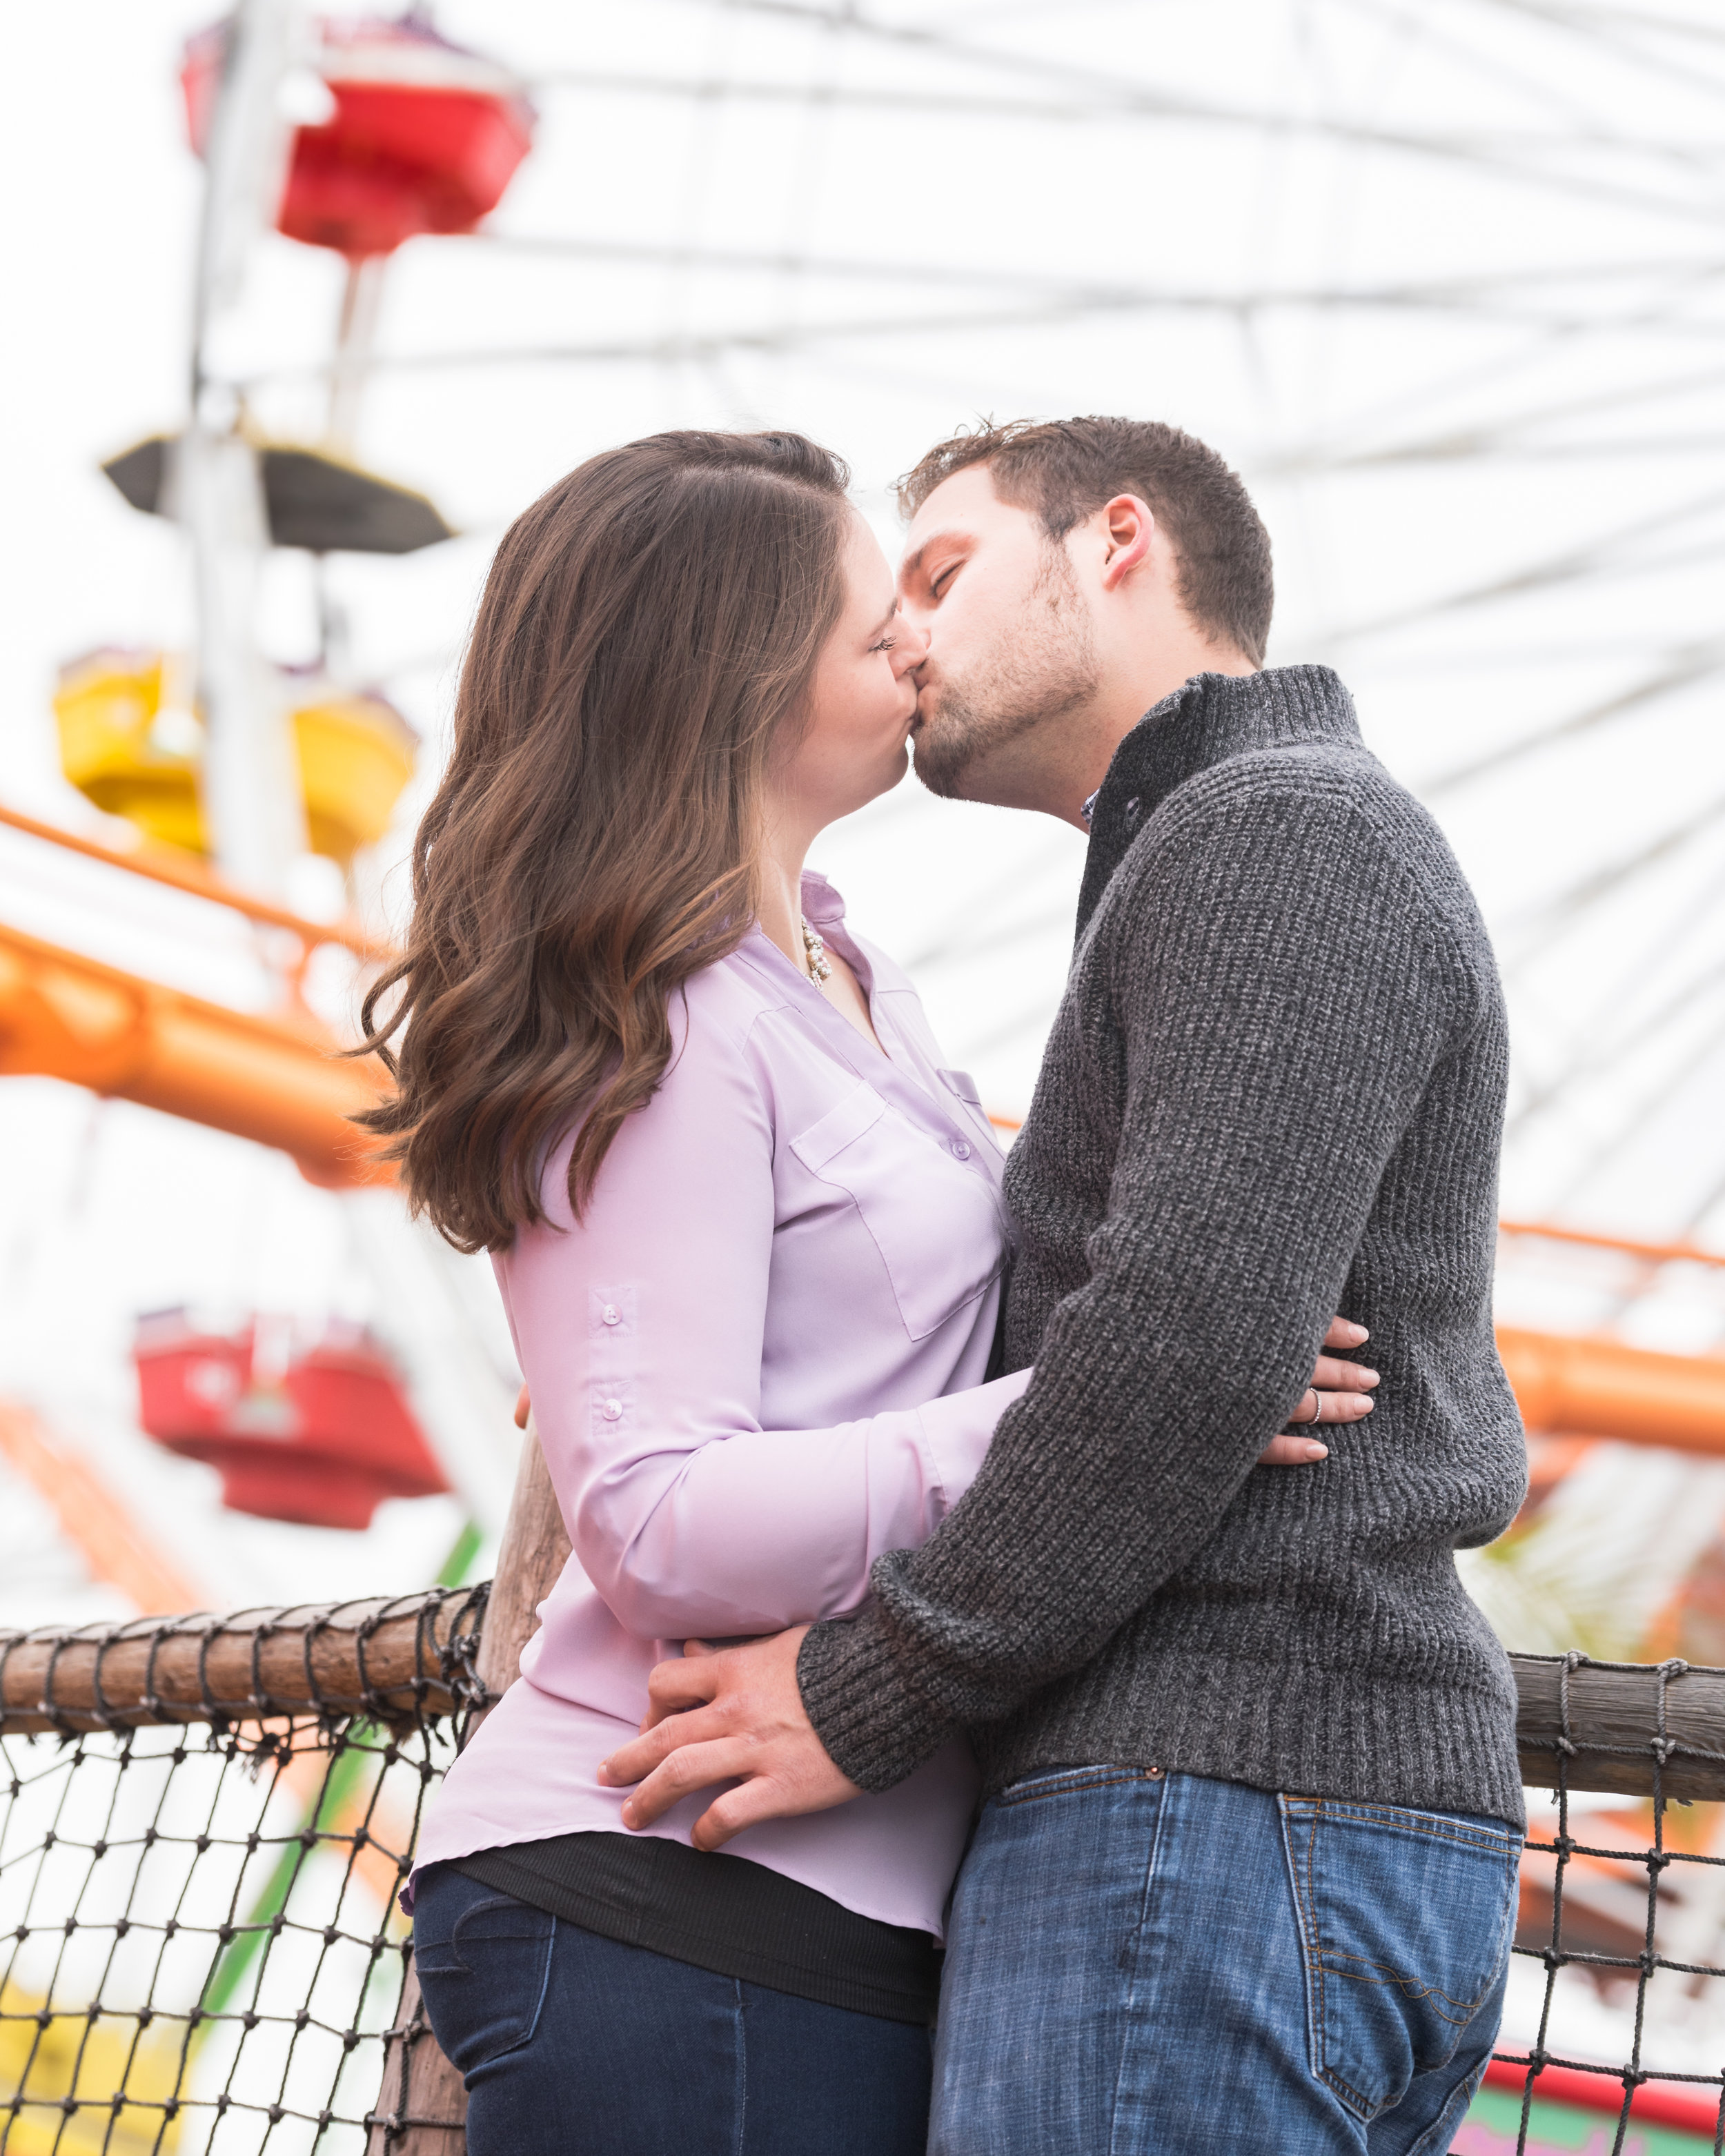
1274,1091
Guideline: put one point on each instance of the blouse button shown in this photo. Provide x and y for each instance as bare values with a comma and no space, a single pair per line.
613,1410
961,1150
609,1313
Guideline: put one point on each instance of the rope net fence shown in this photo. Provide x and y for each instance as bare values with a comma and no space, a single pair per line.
205,1823
1617,2006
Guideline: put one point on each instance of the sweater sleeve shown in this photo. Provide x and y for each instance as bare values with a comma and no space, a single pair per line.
640,1331
1279,994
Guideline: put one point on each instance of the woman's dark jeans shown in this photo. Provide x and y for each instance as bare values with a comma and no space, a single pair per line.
569,2042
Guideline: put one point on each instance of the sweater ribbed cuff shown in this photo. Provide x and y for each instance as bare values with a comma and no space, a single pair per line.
876,1726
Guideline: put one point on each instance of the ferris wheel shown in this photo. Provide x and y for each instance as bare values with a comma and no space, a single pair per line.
1441,279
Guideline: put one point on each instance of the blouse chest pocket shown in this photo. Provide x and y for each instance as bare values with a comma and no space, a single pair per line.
936,1223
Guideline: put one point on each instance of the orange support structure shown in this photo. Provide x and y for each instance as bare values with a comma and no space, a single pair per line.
279,1081
1594,1388
93,1519
167,865
1650,1253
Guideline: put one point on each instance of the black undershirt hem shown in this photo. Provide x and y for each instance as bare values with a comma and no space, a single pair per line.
726,1914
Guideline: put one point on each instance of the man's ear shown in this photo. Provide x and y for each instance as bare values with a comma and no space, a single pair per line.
1129,527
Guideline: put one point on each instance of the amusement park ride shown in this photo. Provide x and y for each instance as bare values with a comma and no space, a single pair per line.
226,767
219,770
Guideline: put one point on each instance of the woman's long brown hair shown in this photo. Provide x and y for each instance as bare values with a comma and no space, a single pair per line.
647,629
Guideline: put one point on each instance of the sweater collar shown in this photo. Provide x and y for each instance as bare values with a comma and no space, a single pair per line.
1207,719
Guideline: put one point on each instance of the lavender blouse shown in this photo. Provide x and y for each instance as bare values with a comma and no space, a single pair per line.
756,1365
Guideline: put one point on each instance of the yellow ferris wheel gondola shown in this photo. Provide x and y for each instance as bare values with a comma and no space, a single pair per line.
132,742
54,2059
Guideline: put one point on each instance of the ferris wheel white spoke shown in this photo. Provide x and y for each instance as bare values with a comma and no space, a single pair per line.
1445,293
1546,923
1488,437
1622,31
1596,557
1517,158
1541,91
698,347
1590,14
1111,96
1646,1107
1693,1227
1632,1038
1100,101
1555,453
1697,665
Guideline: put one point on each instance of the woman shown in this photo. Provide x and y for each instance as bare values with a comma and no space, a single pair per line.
748,1231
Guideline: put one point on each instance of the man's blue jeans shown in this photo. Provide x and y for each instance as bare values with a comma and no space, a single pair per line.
1142,1964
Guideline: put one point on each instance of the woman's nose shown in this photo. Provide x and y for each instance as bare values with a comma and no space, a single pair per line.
912,649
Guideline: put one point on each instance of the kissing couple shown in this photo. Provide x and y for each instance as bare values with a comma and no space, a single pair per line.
953,1563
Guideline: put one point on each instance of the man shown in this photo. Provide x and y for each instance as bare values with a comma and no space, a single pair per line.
1245,1876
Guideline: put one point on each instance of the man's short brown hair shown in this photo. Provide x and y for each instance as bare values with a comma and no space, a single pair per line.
1066,469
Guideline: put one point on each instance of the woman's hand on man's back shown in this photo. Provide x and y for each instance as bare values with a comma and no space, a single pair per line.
1339,1392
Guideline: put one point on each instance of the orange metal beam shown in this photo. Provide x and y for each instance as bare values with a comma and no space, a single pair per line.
279,1081
158,864
1655,1254
1581,1388
93,1519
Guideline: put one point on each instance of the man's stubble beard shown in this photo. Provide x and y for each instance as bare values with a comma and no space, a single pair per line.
1026,684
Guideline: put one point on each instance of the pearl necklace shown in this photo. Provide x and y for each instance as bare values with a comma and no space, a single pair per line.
820,967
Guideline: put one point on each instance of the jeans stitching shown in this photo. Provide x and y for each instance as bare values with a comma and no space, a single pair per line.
1300,1926
741,2080
1311,1810
1411,1987
551,1947
1314,1948
1410,1822
1307,1903
530,2028
450,1946
1151,1868
1110,1779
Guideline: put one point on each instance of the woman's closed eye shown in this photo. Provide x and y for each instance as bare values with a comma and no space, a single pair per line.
885,643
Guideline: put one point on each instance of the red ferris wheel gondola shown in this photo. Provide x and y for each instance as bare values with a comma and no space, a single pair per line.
423,136
319,1435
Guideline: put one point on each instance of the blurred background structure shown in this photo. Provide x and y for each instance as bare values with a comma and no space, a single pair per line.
1442,280
1441,277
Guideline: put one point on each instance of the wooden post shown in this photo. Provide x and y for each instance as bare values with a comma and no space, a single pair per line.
422,2106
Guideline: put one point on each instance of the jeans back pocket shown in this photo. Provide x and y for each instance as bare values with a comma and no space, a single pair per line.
484,1960
1405,1922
